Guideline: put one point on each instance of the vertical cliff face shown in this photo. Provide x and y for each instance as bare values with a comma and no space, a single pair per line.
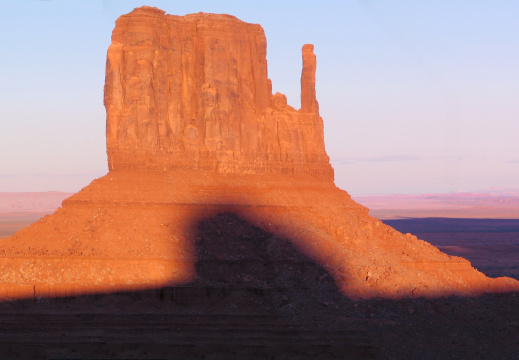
308,99
192,92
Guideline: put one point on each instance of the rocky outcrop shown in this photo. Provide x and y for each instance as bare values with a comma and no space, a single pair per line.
196,142
192,92
308,100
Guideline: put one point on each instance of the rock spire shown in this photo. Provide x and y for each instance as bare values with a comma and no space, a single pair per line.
308,99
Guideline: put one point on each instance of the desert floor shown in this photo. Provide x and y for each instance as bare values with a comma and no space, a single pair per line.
491,245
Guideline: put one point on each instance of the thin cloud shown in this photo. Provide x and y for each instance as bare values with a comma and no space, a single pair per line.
377,159
513,161
395,158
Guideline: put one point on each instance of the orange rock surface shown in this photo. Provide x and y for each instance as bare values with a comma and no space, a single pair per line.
192,92
193,131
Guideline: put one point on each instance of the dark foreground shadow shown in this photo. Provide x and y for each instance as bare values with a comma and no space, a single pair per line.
257,297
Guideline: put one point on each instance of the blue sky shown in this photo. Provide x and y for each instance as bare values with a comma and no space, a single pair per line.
416,96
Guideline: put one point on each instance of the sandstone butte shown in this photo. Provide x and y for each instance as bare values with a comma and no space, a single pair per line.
194,131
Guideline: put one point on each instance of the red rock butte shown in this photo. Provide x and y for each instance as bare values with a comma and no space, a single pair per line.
192,93
193,132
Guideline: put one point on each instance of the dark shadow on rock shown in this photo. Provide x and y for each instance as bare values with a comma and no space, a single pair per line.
257,297
263,271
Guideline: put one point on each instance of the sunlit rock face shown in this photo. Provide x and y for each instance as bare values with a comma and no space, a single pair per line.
192,92
199,148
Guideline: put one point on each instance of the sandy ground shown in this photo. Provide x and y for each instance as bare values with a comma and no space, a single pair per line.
158,325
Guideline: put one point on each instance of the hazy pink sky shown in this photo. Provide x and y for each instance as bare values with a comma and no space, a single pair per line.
416,97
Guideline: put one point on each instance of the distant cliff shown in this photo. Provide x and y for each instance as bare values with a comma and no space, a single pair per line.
31,201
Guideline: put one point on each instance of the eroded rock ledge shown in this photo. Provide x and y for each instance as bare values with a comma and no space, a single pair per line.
192,92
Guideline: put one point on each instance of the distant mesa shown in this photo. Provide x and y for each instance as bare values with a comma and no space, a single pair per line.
31,201
194,132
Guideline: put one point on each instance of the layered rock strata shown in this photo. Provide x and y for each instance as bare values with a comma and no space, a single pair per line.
192,92
193,132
